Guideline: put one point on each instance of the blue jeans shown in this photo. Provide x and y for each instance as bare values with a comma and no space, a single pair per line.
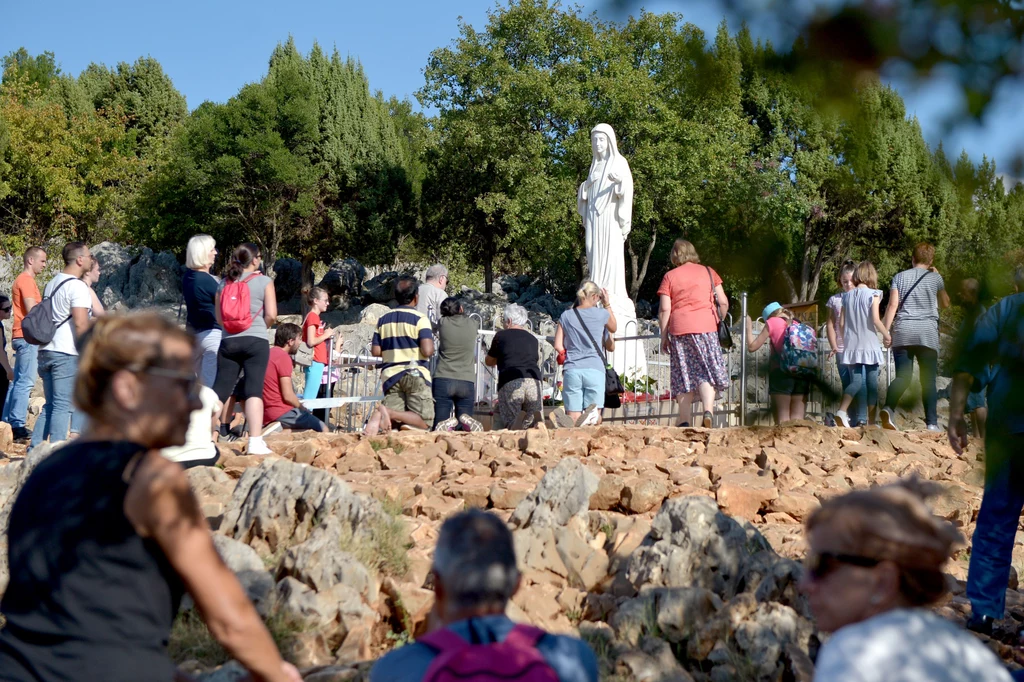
314,375
78,420
854,410
863,386
25,368
449,394
1001,505
582,387
58,371
928,364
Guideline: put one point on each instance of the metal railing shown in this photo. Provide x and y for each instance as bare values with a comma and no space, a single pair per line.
746,401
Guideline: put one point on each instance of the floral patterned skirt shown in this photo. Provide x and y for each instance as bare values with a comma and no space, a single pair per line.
696,359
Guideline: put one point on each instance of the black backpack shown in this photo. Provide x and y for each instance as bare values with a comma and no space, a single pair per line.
38,326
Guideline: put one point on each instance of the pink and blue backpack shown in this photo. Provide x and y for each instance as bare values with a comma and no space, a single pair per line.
799,356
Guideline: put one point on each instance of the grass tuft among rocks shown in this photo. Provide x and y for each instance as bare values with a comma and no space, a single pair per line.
384,548
191,640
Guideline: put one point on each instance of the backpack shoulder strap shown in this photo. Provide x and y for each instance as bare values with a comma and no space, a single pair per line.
525,636
590,336
57,288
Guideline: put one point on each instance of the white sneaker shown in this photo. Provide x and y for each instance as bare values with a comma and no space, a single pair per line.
888,419
449,424
470,424
257,446
934,427
590,417
842,419
559,419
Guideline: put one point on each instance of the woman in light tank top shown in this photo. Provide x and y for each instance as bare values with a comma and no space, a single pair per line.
248,350
860,324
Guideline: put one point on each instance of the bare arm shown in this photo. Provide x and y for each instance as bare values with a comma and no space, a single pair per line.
160,505
312,339
269,305
559,343
890,310
943,299
29,303
611,325
664,313
722,300
375,351
754,343
288,392
80,318
426,348
830,331
490,360
957,430
97,306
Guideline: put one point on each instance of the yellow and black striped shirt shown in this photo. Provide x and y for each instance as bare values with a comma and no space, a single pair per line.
398,334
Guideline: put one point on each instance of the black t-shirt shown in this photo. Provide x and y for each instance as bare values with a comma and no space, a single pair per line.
516,351
199,289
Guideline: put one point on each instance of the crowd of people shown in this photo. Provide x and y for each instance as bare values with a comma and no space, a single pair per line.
106,535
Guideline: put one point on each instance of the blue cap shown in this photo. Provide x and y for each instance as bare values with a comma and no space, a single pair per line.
769,309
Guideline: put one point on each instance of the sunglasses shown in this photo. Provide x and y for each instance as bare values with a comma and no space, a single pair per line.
5,310
189,380
820,565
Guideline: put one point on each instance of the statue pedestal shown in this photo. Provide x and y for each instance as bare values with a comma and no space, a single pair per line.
628,358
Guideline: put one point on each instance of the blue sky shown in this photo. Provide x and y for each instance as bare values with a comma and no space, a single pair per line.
210,48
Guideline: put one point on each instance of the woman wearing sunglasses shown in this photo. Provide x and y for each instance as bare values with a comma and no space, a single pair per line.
874,565
106,535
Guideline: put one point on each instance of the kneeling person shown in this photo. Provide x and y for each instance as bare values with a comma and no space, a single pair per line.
405,342
280,403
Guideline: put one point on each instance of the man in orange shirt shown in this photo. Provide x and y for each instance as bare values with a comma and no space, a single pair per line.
24,296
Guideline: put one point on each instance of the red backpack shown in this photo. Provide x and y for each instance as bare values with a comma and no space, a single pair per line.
516,658
235,306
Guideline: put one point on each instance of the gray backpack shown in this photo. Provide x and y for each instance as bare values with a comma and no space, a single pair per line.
38,326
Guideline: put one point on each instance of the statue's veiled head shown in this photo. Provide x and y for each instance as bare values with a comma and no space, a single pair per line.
599,145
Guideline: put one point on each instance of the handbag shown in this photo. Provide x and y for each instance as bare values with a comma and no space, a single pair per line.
612,383
724,335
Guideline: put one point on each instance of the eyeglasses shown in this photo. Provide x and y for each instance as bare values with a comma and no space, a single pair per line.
820,565
188,379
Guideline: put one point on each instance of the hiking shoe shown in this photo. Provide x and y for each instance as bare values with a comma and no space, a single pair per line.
257,446
470,424
272,427
560,419
591,415
449,424
889,419
683,425
842,419
21,434
934,427
708,420
980,624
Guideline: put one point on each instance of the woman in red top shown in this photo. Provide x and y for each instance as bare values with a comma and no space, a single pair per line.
315,333
690,294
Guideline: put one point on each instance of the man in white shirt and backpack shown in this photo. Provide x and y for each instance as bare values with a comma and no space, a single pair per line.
58,360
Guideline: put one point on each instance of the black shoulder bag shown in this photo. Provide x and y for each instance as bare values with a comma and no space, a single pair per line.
724,335
612,384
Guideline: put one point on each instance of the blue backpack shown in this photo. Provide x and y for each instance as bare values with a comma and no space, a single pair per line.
799,356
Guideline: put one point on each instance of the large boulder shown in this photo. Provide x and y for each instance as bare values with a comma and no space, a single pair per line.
248,567
279,503
692,543
344,278
140,279
320,563
380,289
287,278
563,494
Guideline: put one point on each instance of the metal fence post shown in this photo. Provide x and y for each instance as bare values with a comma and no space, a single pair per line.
743,359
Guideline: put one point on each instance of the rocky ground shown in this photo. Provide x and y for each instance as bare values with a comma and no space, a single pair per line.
674,552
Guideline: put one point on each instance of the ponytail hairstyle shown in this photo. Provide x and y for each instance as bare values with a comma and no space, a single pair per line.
312,294
847,268
241,258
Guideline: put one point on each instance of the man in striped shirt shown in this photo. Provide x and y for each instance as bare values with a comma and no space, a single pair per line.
403,340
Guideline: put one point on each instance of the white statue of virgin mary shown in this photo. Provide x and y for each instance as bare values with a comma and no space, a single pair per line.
605,201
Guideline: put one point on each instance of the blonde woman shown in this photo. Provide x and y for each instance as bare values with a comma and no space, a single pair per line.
584,332
692,301
874,567
199,291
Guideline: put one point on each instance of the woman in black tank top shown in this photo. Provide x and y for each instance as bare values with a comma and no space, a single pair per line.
105,536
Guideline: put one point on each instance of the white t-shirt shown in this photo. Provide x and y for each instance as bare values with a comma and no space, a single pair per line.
199,437
74,294
907,645
429,302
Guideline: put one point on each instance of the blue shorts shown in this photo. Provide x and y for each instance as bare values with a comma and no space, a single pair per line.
975,400
582,387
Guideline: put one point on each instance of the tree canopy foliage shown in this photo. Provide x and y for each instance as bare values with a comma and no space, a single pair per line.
737,146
